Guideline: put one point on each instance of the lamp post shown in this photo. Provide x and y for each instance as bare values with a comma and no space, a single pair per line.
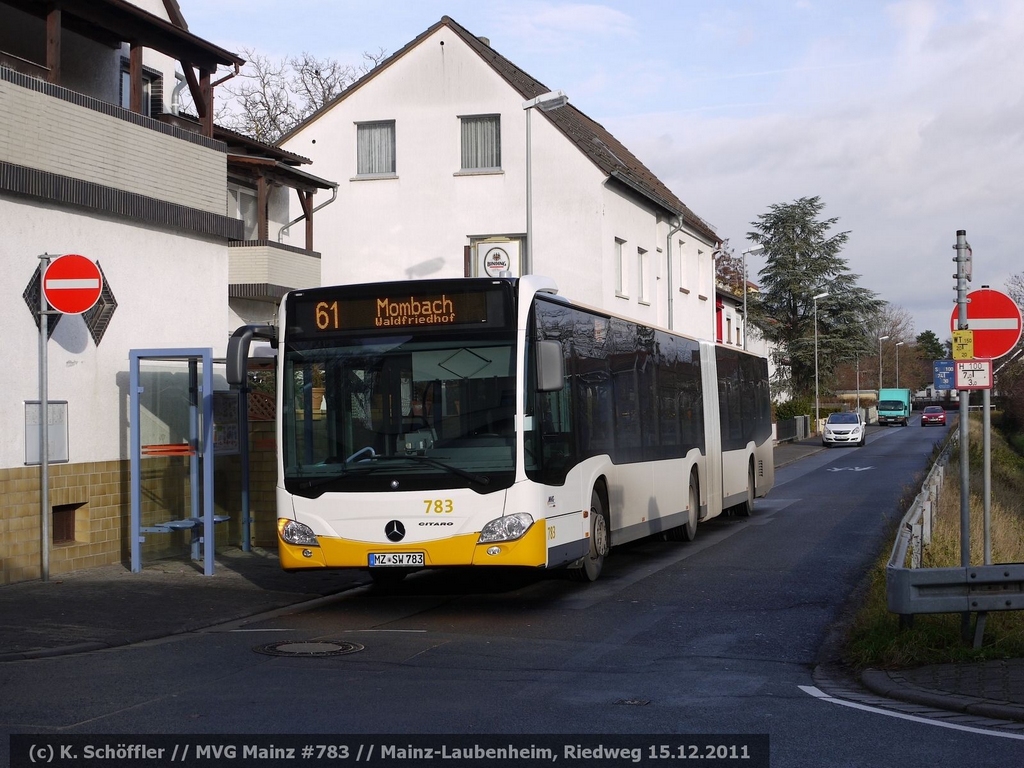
898,345
756,249
816,403
546,102
858,382
880,340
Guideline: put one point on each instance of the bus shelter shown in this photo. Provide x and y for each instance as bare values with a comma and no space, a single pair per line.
196,444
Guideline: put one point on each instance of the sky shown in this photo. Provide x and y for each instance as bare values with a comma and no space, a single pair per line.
905,118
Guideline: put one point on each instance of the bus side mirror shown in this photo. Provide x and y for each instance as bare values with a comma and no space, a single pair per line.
550,366
238,350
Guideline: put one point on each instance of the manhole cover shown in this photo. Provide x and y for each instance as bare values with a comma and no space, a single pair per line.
312,649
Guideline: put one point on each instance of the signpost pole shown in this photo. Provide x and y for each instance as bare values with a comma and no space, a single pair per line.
73,287
965,399
44,432
986,325
986,431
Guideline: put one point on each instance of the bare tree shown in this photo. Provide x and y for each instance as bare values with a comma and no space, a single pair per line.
272,96
729,268
895,322
1015,288
318,81
259,104
1011,378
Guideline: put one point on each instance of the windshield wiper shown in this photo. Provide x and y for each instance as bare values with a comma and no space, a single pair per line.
471,476
369,464
316,482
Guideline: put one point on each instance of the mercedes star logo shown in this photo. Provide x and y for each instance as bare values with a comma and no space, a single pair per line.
394,530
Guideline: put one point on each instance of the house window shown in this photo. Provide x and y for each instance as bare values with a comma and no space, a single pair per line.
375,148
620,269
481,142
641,276
149,83
242,204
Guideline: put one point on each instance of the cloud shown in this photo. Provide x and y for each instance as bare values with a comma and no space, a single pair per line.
561,24
905,146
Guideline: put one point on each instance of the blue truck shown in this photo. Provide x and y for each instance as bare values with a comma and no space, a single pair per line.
894,406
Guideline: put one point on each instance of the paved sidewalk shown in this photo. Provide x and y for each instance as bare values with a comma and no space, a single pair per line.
110,606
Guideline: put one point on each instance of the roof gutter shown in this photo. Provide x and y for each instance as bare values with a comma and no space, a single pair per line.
290,224
676,226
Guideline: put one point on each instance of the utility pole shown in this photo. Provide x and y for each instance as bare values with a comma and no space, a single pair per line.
963,276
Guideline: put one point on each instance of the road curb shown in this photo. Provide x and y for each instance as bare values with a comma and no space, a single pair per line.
884,684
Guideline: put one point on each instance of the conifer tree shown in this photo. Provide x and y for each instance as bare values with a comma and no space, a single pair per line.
802,260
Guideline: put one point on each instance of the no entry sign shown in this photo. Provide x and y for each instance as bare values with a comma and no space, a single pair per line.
72,284
995,320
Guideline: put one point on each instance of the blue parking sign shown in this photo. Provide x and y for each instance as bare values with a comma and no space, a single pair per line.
944,374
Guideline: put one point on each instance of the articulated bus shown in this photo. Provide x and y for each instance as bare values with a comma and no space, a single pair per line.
492,422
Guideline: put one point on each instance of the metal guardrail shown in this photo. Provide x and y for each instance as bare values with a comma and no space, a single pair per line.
915,590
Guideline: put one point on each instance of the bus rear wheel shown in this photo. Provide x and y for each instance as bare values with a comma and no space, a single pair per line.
593,562
746,507
688,530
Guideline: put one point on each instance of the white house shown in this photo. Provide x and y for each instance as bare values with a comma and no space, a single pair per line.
433,151
96,159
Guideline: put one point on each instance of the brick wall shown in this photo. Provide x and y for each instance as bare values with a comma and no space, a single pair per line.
100,496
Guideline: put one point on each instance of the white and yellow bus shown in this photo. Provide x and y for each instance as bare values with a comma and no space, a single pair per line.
491,422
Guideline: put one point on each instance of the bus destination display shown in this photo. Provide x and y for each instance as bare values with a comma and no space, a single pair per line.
391,312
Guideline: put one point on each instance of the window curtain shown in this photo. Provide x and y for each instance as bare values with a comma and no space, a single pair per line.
376,148
481,142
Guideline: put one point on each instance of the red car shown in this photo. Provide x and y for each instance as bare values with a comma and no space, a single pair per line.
933,414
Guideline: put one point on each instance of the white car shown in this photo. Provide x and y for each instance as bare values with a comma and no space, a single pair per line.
843,429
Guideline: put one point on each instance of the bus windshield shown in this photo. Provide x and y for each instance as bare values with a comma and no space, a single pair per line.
399,411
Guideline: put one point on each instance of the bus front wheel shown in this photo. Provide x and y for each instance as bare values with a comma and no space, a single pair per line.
593,562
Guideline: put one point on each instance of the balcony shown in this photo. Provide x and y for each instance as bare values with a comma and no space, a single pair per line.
264,270
67,148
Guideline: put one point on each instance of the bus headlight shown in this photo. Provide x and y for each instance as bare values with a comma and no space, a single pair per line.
296,533
507,528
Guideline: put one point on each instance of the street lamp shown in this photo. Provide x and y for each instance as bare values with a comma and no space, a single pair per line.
816,404
880,340
546,102
898,345
858,382
756,249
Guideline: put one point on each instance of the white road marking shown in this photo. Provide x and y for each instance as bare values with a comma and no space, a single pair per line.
819,694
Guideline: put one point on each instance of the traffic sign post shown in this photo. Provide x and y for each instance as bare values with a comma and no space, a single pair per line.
986,325
964,257
70,284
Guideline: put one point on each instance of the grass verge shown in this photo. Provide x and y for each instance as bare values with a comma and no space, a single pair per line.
875,637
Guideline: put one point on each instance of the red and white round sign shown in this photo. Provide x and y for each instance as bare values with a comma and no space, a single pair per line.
496,261
995,320
72,284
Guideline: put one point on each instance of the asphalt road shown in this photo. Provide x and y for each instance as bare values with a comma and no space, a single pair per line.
715,637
